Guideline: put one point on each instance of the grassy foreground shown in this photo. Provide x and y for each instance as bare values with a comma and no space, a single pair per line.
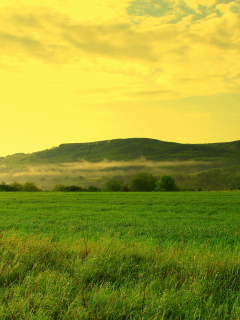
112,279
121,275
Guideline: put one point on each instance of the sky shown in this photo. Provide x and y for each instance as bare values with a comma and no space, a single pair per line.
81,71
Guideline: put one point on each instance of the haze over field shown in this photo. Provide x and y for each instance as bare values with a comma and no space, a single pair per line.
101,169
77,71
200,165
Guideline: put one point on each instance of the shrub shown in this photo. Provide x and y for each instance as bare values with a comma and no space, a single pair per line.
93,189
114,185
30,187
125,189
16,186
166,183
4,187
187,189
59,188
143,181
73,188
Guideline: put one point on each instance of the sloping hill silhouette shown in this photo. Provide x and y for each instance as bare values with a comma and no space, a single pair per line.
128,149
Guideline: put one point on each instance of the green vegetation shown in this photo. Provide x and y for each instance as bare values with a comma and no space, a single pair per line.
128,149
114,185
120,255
214,179
206,166
16,186
166,183
143,181
62,188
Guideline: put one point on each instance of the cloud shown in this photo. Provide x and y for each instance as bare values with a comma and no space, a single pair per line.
149,8
28,20
24,44
115,41
100,169
176,46
104,90
51,36
59,40
151,92
174,11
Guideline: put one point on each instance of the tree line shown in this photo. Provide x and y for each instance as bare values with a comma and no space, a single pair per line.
142,181
16,186
214,179
32,187
211,180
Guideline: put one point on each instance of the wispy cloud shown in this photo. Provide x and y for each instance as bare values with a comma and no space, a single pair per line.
193,50
60,56
60,41
100,169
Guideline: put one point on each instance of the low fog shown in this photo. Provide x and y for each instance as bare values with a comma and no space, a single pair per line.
86,173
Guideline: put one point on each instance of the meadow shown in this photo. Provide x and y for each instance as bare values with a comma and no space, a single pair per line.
120,255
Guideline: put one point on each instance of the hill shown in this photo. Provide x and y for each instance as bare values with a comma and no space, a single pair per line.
126,150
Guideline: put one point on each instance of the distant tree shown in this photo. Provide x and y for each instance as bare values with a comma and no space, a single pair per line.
93,189
166,183
183,189
114,185
125,189
143,181
73,188
30,187
16,186
4,187
59,188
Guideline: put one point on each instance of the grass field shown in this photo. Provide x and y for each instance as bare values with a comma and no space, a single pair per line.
120,255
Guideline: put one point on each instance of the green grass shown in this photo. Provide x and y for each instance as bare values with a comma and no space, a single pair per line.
120,255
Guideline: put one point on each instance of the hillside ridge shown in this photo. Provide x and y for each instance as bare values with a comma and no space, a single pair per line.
128,149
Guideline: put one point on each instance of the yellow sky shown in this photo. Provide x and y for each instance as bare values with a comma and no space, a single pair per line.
78,71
